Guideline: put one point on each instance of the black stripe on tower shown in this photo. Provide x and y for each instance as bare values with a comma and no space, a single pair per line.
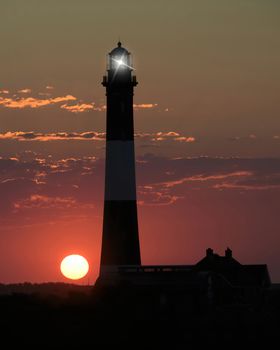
120,244
120,113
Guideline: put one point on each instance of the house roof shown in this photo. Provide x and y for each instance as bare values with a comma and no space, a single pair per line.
236,273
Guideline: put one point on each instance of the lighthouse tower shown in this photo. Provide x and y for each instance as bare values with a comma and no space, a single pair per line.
120,239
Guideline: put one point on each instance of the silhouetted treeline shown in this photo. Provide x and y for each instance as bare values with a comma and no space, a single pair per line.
54,288
133,318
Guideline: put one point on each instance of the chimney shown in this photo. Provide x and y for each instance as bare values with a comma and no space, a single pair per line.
228,253
209,252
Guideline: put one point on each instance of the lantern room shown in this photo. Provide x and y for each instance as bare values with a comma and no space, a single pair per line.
119,59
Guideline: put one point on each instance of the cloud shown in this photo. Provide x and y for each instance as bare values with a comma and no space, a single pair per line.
236,186
41,183
24,91
38,182
178,176
152,196
243,138
82,107
19,102
43,201
144,106
91,135
7,180
60,136
203,178
165,136
31,102
78,108
185,139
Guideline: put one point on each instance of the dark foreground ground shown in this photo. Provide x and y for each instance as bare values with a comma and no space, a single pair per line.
63,316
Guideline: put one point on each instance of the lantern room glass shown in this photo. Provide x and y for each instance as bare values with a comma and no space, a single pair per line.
118,61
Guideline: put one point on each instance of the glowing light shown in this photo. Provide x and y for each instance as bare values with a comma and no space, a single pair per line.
120,62
74,267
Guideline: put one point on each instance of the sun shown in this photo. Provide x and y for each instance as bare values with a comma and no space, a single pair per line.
74,267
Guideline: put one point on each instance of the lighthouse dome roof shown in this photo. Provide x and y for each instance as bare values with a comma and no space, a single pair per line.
119,50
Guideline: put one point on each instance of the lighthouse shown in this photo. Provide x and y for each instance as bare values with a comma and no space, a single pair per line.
120,238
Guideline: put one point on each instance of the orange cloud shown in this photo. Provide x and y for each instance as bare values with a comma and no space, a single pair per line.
19,103
42,201
24,91
185,139
165,135
32,136
145,105
78,108
246,187
88,135
39,201
83,107
203,178
150,196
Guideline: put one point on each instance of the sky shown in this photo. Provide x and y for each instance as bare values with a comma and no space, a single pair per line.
207,130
